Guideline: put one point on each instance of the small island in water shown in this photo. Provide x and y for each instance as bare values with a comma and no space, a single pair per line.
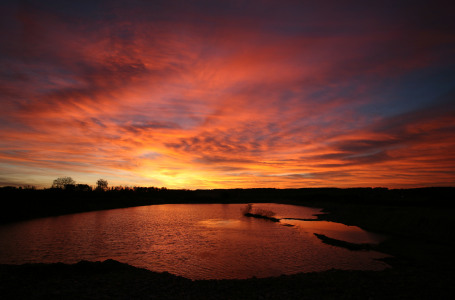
259,213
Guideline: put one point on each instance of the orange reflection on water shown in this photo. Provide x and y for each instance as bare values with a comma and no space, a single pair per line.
338,231
197,241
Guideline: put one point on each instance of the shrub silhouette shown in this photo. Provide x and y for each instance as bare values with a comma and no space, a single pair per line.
259,213
83,188
247,209
264,212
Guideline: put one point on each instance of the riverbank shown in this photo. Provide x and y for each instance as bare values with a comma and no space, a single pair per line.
113,280
24,204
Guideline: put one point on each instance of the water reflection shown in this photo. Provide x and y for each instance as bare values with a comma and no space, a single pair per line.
221,223
352,234
201,241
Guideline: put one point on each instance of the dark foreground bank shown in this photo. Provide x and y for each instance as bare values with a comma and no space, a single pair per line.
113,280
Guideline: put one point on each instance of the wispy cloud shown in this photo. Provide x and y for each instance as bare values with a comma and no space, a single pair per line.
200,95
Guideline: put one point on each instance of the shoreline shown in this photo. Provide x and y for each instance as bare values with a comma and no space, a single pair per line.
115,280
26,204
343,244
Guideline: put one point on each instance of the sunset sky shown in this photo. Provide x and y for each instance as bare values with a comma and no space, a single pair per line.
228,94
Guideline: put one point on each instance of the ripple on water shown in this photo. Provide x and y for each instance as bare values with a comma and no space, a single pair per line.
198,241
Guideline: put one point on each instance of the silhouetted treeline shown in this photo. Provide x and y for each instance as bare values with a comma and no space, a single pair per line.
26,203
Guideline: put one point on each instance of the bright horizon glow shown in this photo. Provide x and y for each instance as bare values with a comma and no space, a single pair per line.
234,95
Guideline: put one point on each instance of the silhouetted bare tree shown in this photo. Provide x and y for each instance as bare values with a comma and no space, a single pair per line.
101,184
63,182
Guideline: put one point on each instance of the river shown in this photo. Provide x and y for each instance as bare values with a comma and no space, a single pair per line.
197,241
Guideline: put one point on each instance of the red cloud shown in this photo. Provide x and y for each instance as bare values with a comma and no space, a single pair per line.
187,98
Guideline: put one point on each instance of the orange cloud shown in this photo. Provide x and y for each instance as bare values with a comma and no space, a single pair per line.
195,97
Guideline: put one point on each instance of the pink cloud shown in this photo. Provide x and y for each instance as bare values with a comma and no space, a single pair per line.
160,98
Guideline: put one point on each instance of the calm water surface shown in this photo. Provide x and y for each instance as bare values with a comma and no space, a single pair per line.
197,241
